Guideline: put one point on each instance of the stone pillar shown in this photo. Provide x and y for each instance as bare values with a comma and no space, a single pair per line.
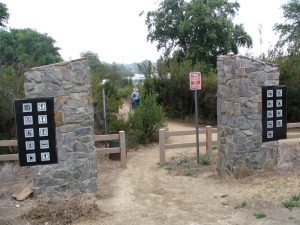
70,85
241,149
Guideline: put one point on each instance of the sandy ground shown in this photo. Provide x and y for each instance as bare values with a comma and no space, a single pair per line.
146,194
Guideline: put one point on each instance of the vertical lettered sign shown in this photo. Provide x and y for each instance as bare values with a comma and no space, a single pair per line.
36,131
195,81
274,126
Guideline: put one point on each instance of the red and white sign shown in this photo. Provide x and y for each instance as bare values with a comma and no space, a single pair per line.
195,80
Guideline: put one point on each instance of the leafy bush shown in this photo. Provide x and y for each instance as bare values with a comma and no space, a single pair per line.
290,76
205,160
172,85
11,87
145,122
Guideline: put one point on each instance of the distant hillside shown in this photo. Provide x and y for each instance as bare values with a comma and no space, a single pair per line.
133,67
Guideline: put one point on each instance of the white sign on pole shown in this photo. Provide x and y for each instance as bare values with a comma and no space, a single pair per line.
195,80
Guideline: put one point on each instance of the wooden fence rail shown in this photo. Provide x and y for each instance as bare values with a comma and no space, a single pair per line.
122,149
110,137
163,134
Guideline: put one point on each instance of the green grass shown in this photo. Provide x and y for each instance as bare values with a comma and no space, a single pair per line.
182,158
292,202
169,168
189,173
205,160
260,215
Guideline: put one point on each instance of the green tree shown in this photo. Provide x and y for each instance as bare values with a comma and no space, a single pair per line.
172,86
95,64
286,54
290,29
4,15
198,29
20,49
114,92
26,48
290,76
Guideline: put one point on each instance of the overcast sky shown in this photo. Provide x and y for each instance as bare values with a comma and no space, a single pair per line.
114,30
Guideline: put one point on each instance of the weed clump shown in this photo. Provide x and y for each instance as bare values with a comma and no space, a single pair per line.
292,202
185,164
260,215
205,160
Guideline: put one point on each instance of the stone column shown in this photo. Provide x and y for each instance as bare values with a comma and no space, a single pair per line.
70,85
241,149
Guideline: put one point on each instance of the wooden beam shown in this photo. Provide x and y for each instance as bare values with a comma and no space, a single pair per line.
6,143
162,143
107,137
208,140
293,125
184,145
214,130
183,132
123,149
108,150
291,136
9,157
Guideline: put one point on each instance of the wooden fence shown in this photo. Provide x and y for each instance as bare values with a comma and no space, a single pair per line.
164,134
111,137
101,138
9,157
293,126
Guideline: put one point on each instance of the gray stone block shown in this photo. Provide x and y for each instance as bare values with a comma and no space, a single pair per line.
69,83
239,114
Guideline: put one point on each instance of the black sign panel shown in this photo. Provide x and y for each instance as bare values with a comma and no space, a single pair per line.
36,131
274,126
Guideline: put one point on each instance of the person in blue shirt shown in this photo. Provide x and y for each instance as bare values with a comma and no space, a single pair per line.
135,98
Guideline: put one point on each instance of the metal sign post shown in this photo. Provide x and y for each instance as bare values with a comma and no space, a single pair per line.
197,126
195,84
104,105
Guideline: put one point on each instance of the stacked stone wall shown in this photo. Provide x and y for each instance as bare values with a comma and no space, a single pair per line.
241,149
70,85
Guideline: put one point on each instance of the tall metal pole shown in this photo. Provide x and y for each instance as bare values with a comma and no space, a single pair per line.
197,126
104,109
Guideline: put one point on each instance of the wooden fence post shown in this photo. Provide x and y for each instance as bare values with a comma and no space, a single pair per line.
123,149
208,140
162,142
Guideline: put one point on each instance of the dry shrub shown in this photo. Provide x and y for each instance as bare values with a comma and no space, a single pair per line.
63,211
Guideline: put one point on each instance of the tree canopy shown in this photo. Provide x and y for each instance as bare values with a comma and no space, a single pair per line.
290,29
4,15
26,48
20,49
197,29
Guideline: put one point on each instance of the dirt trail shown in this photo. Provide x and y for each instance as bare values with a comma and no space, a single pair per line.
146,194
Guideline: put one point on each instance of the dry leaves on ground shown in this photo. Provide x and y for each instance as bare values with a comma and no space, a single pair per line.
63,211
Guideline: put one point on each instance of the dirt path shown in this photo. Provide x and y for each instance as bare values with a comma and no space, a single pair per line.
146,194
